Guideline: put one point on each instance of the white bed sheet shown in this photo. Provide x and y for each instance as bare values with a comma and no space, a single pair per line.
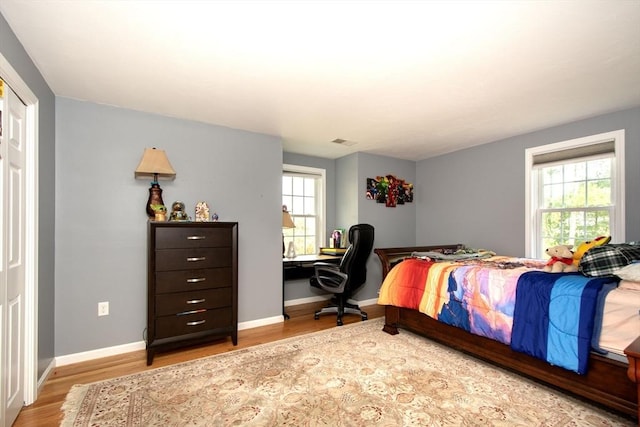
621,320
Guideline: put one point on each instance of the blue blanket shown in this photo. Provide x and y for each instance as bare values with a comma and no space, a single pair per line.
554,317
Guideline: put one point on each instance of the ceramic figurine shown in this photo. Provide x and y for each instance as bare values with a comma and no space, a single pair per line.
202,212
178,213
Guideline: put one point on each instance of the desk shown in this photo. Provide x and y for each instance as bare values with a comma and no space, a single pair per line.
301,267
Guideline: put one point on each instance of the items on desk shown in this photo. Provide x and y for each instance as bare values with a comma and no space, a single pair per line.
336,240
332,251
291,251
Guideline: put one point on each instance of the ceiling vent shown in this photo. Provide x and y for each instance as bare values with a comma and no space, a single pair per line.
343,142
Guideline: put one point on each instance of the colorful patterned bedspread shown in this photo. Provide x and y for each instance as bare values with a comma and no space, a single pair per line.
479,296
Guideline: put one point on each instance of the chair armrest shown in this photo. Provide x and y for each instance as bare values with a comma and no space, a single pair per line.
330,278
326,265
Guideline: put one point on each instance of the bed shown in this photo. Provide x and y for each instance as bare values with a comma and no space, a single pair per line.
609,381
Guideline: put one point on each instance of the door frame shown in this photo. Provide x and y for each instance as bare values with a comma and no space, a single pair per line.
15,82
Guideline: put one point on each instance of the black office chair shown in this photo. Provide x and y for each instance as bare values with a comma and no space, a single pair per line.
342,280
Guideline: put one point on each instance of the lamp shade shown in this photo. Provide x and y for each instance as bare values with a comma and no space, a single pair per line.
287,221
155,163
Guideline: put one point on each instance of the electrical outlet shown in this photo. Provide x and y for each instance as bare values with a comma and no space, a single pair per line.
103,308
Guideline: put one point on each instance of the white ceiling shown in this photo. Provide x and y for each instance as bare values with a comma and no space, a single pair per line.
403,79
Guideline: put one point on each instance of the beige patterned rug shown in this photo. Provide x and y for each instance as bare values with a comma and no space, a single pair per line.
355,375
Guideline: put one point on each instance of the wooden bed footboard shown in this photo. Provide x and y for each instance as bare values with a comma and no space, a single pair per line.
606,383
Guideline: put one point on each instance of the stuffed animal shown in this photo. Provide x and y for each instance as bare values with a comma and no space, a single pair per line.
561,259
585,246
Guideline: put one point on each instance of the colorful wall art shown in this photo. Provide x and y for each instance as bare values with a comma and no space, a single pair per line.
389,190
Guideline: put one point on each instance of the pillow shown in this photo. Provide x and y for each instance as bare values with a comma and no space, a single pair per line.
632,286
630,272
605,260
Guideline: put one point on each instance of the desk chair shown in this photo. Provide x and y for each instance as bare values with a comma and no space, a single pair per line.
346,278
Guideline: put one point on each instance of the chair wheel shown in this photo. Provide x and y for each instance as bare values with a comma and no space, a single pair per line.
365,317
316,316
340,322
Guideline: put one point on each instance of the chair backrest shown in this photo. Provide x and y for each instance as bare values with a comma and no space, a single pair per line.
354,261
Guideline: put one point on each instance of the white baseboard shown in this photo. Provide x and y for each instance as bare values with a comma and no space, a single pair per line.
141,345
45,374
99,353
260,322
327,298
307,300
371,301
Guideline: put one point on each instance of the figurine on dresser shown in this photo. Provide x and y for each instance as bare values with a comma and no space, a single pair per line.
202,212
178,213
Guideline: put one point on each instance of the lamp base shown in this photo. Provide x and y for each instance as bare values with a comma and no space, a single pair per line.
155,198
291,252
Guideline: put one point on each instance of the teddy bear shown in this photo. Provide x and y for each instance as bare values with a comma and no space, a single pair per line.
561,259
585,246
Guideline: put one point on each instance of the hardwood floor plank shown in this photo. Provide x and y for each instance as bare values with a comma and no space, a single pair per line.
46,411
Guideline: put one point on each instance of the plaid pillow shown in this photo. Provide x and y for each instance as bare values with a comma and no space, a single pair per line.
604,260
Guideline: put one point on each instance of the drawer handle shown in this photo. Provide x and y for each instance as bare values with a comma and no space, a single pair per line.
196,237
196,280
196,258
186,313
196,301
196,323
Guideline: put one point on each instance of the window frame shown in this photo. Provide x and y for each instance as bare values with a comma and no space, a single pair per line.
320,198
532,182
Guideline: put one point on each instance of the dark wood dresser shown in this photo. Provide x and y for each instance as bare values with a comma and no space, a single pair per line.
192,284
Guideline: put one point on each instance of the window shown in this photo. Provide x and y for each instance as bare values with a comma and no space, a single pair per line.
303,192
575,192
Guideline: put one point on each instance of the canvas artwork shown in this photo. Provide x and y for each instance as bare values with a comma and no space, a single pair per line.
389,190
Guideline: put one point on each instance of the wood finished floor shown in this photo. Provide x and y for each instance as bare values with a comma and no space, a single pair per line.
46,410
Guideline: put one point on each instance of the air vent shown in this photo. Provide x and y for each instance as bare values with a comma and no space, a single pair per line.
343,142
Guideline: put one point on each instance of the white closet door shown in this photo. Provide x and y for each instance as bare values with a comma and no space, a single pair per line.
12,261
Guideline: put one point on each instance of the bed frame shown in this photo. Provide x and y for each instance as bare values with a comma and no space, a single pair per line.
606,383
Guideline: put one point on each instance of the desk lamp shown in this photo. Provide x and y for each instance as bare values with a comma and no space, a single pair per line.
154,163
287,222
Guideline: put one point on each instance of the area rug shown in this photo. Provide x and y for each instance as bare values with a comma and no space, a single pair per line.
355,375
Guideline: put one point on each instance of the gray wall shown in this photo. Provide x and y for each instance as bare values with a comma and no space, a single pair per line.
101,223
393,226
477,196
14,53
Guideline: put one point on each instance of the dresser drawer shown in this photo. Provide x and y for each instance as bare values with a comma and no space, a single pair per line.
170,326
180,302
193,237
190,259
191,280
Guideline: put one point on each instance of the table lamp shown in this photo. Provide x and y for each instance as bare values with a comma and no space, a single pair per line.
287,222
154,163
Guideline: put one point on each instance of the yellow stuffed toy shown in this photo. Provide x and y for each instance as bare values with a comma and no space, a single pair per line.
585,246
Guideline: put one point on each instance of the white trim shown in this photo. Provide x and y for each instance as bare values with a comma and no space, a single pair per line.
13,79
321,223
99,353
260,322
370,301
618,232
294,302
307,300
45,375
